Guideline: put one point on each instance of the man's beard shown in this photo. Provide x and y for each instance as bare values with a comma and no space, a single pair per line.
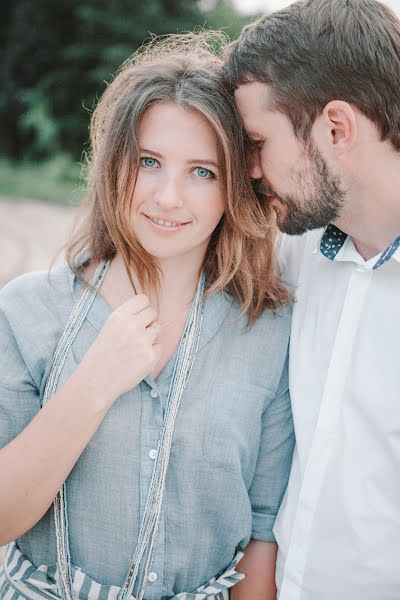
318,206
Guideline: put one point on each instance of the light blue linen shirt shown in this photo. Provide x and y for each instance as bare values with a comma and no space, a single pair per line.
231,451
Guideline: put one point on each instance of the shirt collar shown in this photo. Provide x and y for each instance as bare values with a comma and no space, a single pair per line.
216,307
333,240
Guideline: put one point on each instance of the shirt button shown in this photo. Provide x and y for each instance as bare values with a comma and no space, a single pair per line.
153,454
152,577
154,393
360,269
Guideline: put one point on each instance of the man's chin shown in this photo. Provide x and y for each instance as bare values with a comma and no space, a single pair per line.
294,227
285,224
292,230
294,222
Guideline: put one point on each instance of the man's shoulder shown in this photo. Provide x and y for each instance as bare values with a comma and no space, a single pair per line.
298,243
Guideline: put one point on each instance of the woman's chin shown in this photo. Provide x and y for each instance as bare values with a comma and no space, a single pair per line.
158,252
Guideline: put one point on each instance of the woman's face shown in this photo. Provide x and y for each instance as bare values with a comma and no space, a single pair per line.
177,201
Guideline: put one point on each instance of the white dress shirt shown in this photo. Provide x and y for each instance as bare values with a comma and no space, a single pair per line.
338,529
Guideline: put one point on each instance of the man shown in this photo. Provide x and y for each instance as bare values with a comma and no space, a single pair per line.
318,87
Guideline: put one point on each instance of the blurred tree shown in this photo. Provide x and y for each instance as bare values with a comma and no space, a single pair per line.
55,56
58,57
221,14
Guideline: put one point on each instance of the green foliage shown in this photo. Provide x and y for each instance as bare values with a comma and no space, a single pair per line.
57,59
56,180
39,120
224,16
58,56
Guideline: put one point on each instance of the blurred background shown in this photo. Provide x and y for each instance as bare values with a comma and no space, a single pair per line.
56,59
55,62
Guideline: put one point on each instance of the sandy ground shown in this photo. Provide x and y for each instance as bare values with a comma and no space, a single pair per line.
31,234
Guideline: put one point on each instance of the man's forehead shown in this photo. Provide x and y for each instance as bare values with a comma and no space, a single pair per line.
255,94
252,100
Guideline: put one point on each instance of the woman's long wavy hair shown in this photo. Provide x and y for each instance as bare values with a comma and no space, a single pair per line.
186,71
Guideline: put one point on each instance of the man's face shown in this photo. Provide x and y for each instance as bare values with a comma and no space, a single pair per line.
296,178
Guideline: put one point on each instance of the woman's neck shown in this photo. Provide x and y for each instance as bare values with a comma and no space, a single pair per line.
179,278
178,285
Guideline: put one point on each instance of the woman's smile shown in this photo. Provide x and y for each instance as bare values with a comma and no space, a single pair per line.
165,225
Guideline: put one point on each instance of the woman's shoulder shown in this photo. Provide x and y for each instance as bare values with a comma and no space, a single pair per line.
255,353
270,322
36,289
33,311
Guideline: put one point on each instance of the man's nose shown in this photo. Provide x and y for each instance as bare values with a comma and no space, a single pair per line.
255,170
171,194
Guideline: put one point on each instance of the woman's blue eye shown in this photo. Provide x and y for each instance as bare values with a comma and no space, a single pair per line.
204,173
148,162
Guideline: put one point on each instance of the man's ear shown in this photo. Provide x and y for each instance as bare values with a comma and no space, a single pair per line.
340,125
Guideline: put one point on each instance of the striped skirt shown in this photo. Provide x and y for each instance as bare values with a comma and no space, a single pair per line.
21,580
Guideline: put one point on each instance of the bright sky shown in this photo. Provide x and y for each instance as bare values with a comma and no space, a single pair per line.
252,6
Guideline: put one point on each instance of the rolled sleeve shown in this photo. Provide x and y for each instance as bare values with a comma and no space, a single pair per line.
274,461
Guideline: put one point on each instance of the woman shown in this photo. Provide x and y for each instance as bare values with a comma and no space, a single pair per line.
158,356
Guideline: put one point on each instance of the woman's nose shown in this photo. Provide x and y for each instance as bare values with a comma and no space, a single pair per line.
171,195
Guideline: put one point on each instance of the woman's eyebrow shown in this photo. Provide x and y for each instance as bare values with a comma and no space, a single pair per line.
192,161
203,161
151,152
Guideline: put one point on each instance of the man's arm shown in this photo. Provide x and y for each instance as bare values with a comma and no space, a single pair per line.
258,564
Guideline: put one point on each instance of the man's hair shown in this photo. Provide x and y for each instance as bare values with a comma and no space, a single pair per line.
315,51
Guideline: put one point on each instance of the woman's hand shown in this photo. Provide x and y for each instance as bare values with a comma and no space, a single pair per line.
125,351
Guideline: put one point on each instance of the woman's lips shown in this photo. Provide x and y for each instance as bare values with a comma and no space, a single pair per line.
165,225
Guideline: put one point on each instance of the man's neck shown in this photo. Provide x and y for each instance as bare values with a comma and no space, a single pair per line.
372,213
370,239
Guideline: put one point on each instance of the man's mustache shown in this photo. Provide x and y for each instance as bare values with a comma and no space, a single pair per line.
263,189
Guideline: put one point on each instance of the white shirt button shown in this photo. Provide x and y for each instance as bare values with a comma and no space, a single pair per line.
153,454
152,577
360,269
154,393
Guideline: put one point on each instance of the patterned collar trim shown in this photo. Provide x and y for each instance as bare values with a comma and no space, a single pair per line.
333,239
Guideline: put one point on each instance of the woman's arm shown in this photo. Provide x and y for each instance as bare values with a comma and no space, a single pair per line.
36,462
266,493
258,564
34,465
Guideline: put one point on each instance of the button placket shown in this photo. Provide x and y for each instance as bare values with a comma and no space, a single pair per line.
151,422
323,438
